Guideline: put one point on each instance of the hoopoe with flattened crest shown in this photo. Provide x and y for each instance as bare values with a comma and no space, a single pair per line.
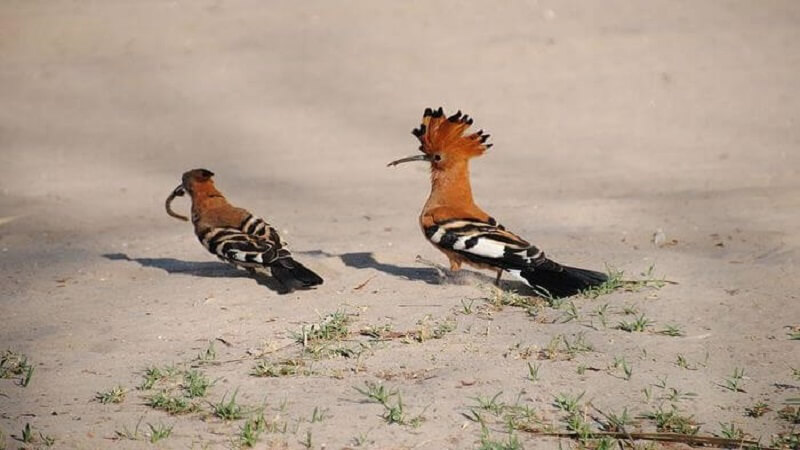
236,236
461,230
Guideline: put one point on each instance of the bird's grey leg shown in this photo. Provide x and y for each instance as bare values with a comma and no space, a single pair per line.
497,280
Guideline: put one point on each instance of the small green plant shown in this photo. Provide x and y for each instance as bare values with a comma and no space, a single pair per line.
578,425
360,440
499,298
602,313
437,330
27,434
159,431
795,373
487,443
673,421
533,371
790,414
393,413
490,404
757,410
229,410
617,422
648,393
520,417
152,375
16,364
317,338
376,392
113,395
794,332
606,443
682,362
170,404
318,415
552,349
128,434
674,395
331,327
616,282
47,441
196,384
571,313
731,431
27,437
252,429
734,382
466,307
12,363
790,440
640,324
283,368
307,442
630,310
620,363
581,369
26,379
567,402
577,345
209,354
671,330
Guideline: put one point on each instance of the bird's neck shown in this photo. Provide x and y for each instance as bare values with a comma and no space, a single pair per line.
206,196
450,187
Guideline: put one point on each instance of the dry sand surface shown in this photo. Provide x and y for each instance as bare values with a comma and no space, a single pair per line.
611,120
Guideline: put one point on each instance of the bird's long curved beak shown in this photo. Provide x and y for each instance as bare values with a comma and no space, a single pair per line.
409,159
178,192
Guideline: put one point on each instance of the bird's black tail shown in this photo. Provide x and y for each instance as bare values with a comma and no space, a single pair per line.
291,273
564,283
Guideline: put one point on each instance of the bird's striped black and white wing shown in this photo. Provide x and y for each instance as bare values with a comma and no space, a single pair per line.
488,243
256,226
253,244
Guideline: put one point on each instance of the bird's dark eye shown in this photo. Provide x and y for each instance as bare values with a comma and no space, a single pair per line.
437,157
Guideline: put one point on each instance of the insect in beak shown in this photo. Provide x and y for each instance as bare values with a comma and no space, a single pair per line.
178,192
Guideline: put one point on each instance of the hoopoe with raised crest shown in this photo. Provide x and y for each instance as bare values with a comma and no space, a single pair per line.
461,230
236,236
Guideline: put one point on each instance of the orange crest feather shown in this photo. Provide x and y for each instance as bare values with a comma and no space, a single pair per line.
439,133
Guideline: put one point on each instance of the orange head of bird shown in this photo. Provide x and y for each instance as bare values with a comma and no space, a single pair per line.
444,142
190,182
195,179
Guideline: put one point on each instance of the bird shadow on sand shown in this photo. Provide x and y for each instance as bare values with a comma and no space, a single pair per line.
203,269
428,272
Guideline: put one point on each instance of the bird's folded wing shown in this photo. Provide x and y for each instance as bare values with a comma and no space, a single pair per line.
488,243
259,228
234,245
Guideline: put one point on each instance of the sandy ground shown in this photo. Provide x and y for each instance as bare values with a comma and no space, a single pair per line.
610,120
